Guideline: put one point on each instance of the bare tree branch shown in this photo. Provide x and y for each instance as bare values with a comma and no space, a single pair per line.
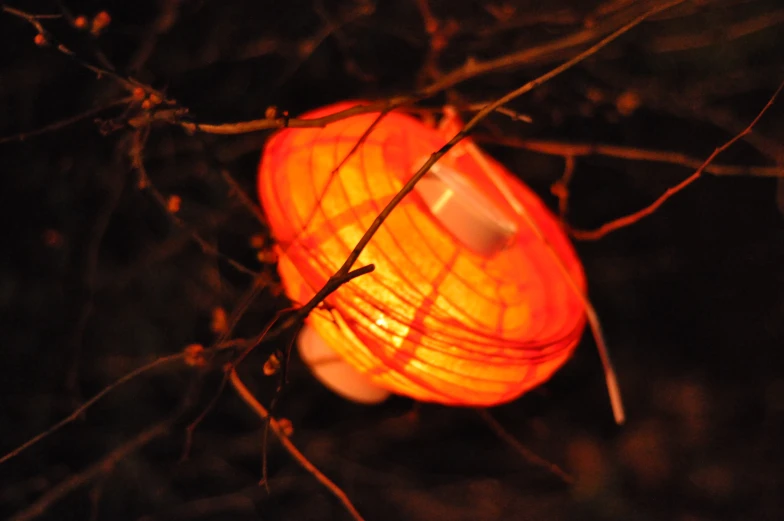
92,472
565,149
628,220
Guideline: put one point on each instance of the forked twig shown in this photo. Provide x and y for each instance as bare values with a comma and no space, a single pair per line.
334,282
273,423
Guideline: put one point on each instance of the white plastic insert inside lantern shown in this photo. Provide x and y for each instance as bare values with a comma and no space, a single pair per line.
470,216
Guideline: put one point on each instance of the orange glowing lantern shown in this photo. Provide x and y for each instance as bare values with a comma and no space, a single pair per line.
466,306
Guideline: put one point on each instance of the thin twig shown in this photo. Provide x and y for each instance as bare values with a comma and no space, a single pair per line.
294,320
564,149
88,275
513,115
173,245
306,48
628,220
244,127
243,303
89,403
167,17
667,99
527,454
57,125
246,201
128,83
611,26
560,188
729,31
334,282
223,506
300,458
222,342
136,154
189,430
79,411
92,472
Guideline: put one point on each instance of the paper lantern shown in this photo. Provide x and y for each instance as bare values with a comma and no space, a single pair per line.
466,305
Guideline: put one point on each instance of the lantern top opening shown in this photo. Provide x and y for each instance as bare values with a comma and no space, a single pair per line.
468,214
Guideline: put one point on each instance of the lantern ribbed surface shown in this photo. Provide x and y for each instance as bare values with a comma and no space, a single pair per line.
436,320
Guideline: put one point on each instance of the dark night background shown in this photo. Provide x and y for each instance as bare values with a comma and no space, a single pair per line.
96,279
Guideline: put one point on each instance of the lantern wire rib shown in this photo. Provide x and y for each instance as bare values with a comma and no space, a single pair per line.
368,298
450,324
478,337
481,354
382,251
292,449
277,194
484,341
428,383
395,363
356,145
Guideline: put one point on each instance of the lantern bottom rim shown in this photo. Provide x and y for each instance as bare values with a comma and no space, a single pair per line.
334,372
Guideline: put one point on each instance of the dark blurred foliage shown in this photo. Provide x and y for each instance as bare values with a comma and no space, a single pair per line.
96,279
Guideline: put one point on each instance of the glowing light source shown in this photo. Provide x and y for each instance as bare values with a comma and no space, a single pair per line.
466,306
